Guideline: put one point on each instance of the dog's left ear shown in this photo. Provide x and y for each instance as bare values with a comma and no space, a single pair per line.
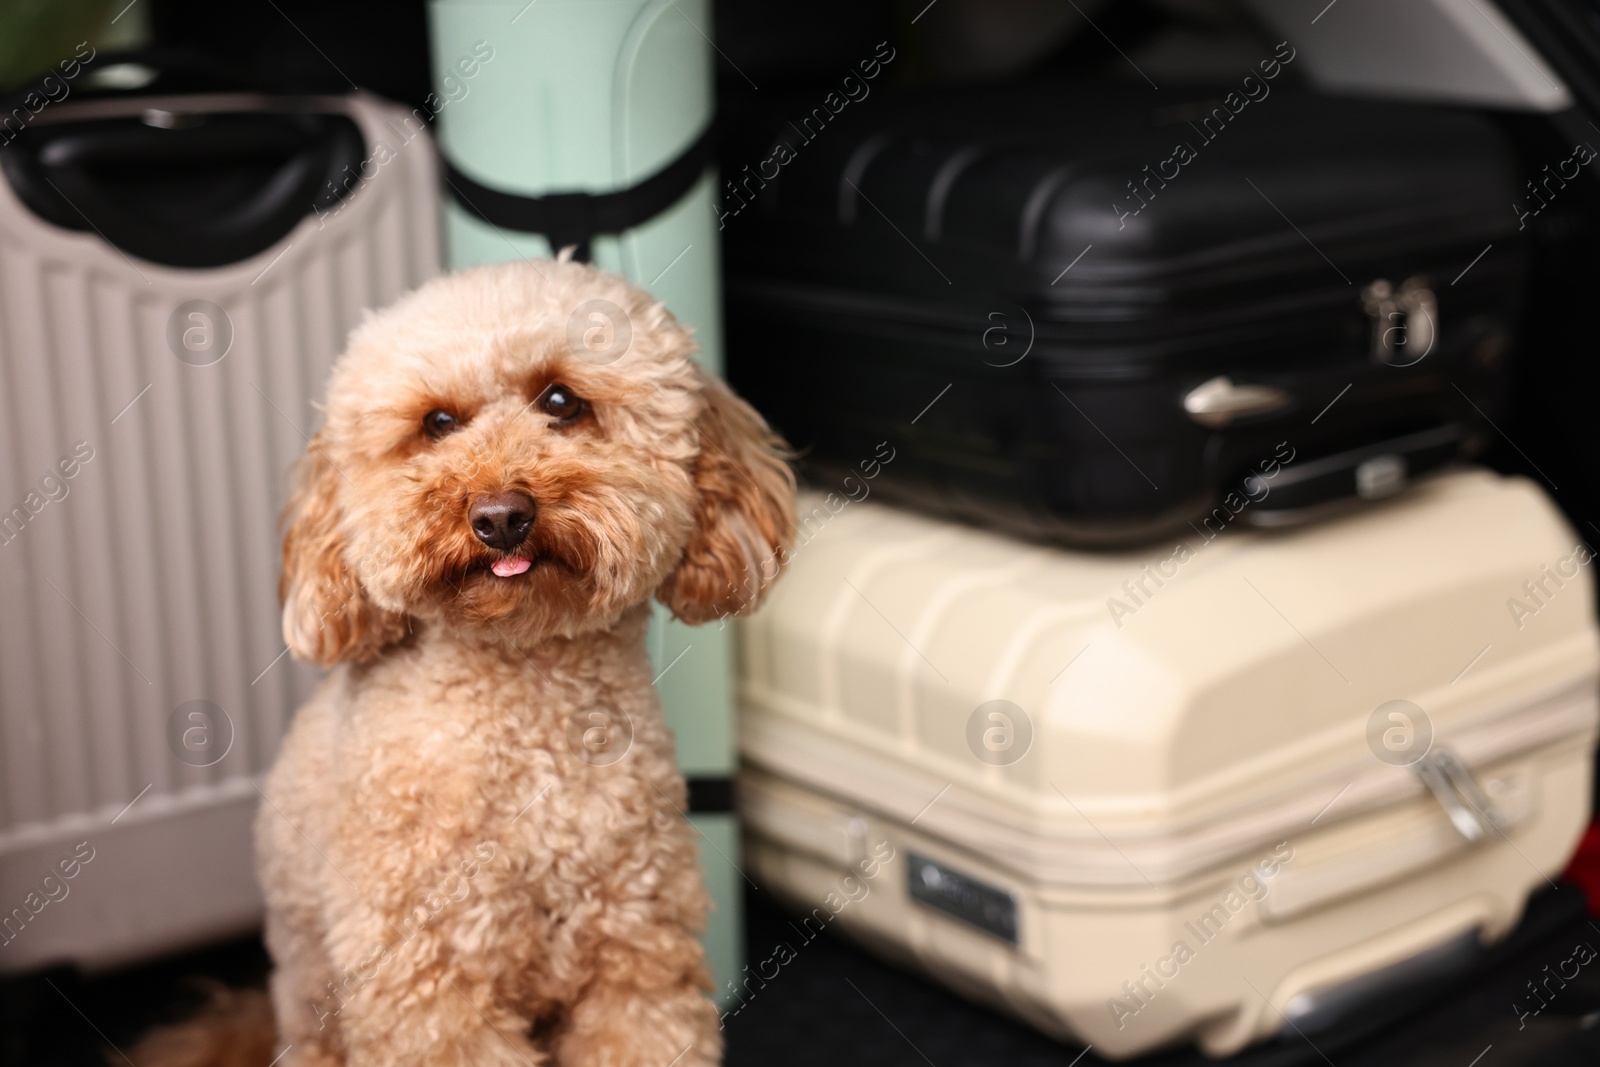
744,517
327,616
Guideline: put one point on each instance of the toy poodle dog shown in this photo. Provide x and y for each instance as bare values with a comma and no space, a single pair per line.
473,845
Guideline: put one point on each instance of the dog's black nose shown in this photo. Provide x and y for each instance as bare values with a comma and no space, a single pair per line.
502,520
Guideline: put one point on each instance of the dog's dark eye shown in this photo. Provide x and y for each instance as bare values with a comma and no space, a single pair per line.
438,423
562,403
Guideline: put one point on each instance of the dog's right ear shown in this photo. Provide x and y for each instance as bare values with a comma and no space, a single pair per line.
327,616
745,515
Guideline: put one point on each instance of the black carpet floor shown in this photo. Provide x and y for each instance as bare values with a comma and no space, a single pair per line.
836,1005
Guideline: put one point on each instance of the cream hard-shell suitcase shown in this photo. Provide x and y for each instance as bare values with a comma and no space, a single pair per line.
1211,792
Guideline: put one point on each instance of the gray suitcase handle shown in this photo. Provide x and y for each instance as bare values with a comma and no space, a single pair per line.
129,173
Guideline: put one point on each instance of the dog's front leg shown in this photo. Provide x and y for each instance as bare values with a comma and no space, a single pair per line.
423,992
645,1007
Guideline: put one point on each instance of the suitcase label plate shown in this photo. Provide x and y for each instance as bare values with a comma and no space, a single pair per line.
979,904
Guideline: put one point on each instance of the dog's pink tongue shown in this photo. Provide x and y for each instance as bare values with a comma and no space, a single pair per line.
507,568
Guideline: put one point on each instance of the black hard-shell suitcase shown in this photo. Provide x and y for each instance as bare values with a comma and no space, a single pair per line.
1098,313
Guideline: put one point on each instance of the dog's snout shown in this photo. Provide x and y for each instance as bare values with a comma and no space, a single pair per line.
502,520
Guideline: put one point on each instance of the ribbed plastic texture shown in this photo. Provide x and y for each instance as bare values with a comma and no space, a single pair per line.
150,581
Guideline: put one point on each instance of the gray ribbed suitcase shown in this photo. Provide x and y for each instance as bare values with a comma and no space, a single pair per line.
150,413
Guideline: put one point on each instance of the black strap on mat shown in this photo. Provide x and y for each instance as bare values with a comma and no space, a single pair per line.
575,218
710,796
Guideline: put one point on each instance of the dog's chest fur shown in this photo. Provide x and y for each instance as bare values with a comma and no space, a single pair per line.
455,747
